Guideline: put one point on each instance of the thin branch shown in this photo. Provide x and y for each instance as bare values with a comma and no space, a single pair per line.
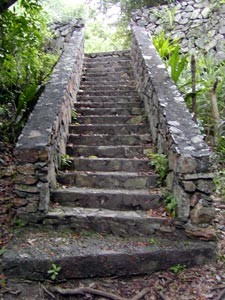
47,291
10,291
141,294
87,290
163,297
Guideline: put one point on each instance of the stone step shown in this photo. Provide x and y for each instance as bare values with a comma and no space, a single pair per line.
104,57
89,81
108,71
119,199
106,221
108,104
133,120
112,55
111,98
106,151
99,87
109,76
87,111
109,79
108,129
88,255
105,64
109,164
105,69
108,139
106,180
109,93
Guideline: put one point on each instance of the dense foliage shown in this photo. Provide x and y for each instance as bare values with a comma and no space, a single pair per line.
207,73
25,65
63,11
126,8
101,33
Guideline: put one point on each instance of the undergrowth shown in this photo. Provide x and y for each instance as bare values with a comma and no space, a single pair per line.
160,163
25,64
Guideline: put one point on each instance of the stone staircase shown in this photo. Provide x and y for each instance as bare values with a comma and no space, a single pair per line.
109,185
102,212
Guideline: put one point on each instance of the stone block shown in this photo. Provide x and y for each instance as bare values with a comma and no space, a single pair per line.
31,207
195,199
26,169
27,180
44,196
183,201
201,214
205,186
19,202
189,186
204,233
170,180
26,188
186,164
26,155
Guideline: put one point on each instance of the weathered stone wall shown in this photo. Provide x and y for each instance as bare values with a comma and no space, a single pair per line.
62,33
174,133
44,137
198,24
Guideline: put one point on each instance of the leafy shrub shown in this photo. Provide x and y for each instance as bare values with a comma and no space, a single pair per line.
64,11
54,271
171,205
169,51
163,45
208,71
25,64
177,63
65,160
177,269
160,163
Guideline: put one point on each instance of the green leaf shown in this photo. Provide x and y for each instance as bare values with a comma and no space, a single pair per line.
26,96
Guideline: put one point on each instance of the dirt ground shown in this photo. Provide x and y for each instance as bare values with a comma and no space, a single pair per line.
197,283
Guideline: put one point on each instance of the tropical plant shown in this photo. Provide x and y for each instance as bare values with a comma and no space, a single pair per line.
160,163
177,269
74,116
54,271
65,160
177,63
165,46
170,16
209,84
170,204
169,51
209,74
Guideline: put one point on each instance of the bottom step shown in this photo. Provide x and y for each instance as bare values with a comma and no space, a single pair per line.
32,253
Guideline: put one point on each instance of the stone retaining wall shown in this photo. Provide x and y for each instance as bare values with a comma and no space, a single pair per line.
62,33
198,24
174,133
44,137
